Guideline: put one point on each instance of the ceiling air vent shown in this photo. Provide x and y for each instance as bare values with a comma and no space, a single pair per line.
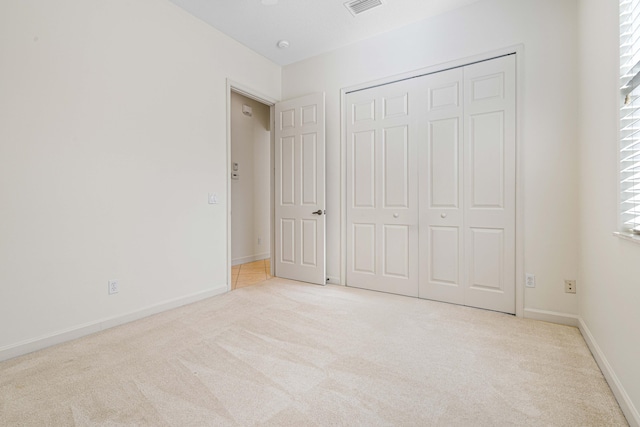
356,7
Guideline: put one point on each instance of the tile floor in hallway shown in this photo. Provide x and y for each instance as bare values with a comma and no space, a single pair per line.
251,273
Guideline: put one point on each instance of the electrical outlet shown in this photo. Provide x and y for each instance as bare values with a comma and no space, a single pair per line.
570,286
530,280
114,287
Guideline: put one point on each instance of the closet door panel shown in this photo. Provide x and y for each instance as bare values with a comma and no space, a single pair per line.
363,155
442,171
441,187
443,256
382,195
486,149
486,259
490,152
395,167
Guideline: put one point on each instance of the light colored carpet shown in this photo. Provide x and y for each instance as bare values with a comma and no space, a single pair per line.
291,354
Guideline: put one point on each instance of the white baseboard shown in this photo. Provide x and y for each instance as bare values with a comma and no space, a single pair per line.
250,258
627,406
59,337
551,316
334,280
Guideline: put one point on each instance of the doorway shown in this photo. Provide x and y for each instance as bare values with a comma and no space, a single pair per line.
250,188
301,145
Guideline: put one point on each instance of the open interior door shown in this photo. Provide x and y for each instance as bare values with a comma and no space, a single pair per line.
300,189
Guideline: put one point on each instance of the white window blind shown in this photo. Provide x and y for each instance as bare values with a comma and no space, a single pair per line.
630,115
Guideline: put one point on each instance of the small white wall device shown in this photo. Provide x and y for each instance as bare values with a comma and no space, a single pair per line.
246,110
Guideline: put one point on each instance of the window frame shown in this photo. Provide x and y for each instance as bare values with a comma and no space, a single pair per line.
629,121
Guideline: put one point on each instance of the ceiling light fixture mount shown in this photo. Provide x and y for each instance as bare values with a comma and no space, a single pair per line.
283,44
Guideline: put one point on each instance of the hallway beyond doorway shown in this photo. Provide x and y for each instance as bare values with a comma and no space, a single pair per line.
250,273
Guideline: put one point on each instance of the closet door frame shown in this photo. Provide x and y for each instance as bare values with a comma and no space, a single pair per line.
518,50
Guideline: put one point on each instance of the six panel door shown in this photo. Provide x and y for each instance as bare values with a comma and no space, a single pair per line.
300,189
441,188
382,192
490,184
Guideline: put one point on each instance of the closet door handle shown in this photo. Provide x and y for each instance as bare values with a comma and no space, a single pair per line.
318,212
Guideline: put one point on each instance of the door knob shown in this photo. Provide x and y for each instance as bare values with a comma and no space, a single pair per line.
396,215
443,215
318,212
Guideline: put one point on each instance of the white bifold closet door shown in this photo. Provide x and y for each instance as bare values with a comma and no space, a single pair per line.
461,126
490,184
442,188
467,187
382,191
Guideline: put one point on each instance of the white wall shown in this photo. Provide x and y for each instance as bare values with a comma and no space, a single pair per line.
251,192
548,31
112,132
609,279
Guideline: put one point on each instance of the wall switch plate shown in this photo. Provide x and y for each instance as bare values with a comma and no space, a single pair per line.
213,199
114,287
570,286
530,280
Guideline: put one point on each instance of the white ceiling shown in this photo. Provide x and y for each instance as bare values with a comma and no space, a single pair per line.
311,26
